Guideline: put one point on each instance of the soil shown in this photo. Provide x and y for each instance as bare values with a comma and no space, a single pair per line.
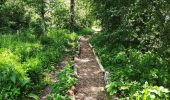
91,83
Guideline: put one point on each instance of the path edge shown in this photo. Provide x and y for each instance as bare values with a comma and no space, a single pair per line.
106,73
73,92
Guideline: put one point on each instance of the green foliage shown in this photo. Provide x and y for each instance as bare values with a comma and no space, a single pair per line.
61,14
136,23
136,33
72,37
57,97
152,93
83,14
13,16
72,41
35,26
86,31
24,60
129,67
33,14
26,55
33,96
65,79
12,74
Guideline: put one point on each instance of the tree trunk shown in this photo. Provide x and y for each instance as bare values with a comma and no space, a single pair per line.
72,22
43,26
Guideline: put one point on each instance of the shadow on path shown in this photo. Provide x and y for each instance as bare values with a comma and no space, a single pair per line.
90,84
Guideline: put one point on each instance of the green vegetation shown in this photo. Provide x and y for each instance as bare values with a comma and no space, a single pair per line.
65,79
86,32
134,45
25,60
130,68
34,37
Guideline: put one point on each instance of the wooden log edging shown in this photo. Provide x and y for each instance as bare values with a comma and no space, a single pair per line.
106,73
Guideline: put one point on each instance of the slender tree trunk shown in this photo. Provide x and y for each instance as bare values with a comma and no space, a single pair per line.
72,22
43,26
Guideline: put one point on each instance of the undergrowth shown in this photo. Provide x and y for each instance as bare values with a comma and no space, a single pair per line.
65,79
134,74
26,60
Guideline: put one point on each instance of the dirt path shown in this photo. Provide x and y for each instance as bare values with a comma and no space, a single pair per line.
90,84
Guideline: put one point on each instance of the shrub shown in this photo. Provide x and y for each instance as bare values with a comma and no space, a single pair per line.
24,59
129,67
86,31
13,76
152,93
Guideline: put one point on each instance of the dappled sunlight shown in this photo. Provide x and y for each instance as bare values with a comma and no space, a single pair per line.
91,80
99,89
57,49
96,28
93,89
83,60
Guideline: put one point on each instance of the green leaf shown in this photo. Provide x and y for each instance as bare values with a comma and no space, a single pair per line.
124,87
24,82
34,96
13,78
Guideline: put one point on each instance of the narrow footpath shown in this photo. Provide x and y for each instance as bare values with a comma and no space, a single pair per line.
90,84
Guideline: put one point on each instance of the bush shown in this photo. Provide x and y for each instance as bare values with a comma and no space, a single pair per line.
85,31
24,59
13,76
152,93
13,16
129,67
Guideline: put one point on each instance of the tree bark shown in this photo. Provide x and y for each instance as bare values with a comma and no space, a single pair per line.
43,26
72,22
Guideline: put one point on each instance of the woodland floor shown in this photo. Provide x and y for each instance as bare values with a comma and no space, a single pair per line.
90,84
